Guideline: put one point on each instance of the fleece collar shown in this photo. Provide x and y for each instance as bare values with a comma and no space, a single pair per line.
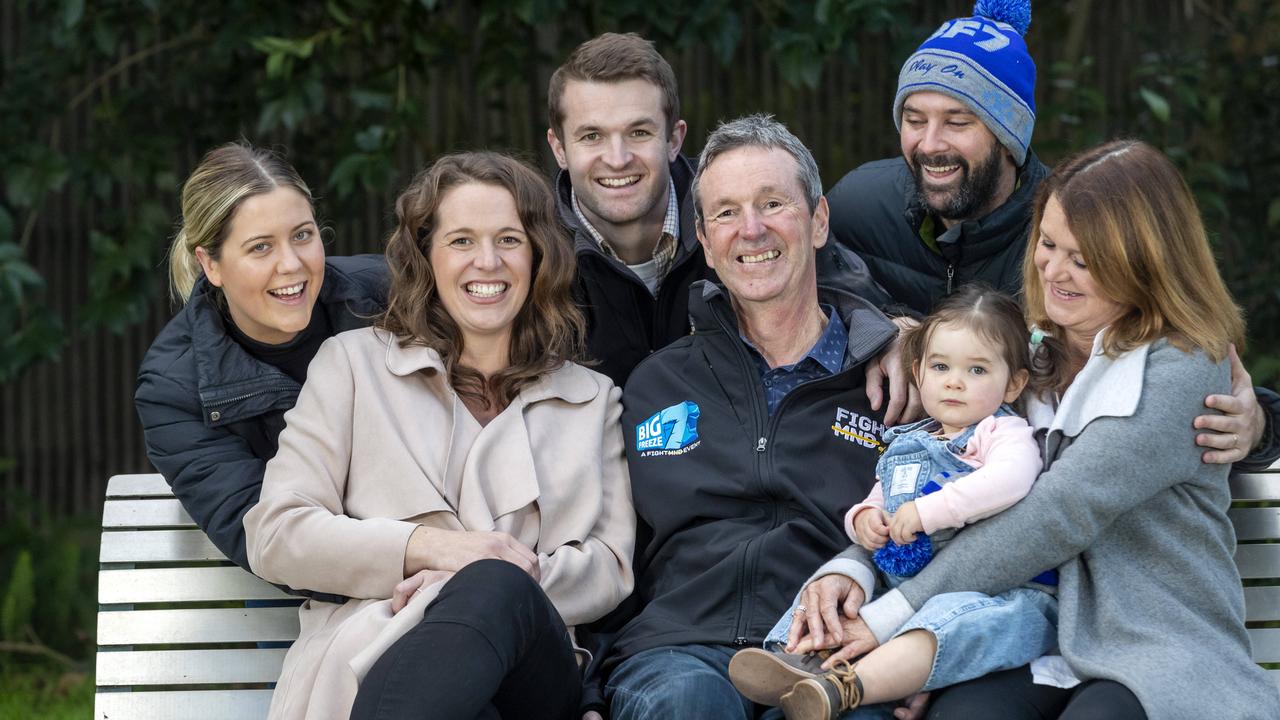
1105,387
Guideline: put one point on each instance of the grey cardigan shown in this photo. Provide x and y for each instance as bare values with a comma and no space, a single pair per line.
1149,595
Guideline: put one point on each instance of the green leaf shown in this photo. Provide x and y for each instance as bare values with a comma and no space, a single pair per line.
72,11
337,13
1159,106
25,274
1273,213
19,599
822,11
6,226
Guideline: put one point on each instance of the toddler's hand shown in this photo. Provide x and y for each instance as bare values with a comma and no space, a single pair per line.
872,528
905,524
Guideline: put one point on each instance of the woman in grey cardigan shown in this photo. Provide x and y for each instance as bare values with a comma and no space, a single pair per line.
1120,276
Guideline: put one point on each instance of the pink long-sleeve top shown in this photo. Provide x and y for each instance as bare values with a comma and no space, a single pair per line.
1006,461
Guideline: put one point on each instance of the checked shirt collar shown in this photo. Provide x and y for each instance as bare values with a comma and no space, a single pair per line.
664,253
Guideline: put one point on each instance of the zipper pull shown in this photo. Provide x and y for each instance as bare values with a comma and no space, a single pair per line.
951,271
740,641
760,445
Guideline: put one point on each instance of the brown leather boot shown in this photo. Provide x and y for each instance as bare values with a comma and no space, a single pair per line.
824,697
764,676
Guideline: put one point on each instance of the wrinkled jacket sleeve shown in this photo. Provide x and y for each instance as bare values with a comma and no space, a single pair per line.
1269,451
603,560
298,533
213,472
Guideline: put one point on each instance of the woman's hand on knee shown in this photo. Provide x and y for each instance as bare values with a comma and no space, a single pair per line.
451,550
411,585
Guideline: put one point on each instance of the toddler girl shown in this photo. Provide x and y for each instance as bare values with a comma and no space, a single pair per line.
970,459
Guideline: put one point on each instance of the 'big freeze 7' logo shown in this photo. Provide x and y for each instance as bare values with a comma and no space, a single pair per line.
670,431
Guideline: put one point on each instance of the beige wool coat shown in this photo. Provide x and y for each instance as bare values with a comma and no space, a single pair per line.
378,444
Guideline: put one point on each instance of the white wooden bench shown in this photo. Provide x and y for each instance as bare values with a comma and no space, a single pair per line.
174,638
197,656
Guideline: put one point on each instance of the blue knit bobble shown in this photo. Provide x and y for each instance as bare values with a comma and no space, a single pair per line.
1013,12
904,560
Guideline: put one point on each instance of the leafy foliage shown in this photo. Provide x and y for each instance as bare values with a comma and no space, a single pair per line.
162,82
47,571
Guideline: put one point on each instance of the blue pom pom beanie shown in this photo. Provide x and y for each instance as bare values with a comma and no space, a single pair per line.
983,62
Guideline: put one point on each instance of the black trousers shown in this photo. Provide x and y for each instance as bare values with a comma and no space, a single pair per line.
490,646
1010,695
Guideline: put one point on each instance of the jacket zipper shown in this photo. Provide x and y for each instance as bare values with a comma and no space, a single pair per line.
951,271
246,396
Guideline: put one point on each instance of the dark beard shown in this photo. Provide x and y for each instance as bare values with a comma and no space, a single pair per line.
976,188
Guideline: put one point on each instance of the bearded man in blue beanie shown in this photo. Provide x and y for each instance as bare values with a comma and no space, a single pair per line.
955,207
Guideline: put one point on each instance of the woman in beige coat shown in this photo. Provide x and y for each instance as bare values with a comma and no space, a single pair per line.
452,472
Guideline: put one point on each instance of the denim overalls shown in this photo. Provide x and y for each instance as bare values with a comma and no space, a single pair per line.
915,457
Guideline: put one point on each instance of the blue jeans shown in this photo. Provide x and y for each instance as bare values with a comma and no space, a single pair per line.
690,681
979,634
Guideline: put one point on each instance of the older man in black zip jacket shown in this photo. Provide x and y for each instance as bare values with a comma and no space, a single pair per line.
747,439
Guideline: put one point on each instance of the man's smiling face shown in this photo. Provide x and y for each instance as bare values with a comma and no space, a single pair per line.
616,146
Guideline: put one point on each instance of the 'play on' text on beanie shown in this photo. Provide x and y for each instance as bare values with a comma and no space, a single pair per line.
981,61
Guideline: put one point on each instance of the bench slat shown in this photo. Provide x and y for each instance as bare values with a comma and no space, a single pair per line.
1255,486
156,512
1256,562
157,546
203,625
1266,644
179,705
1255,523
1262,604
148,485
182,585
188,667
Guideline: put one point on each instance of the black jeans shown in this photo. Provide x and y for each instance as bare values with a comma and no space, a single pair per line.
1010,695
490,646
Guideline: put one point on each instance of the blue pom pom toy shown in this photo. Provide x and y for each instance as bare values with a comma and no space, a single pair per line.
1013,12
904,560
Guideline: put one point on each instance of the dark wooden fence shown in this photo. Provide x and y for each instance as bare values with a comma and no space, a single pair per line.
69,425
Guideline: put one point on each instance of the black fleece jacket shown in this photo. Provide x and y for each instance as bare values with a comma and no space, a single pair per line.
732,521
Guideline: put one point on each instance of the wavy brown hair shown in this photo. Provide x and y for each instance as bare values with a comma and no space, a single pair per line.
1141,236
549,328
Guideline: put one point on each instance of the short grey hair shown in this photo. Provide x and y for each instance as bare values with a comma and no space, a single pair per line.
759,130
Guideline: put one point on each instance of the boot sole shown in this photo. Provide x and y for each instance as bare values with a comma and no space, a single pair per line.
807,701
761,677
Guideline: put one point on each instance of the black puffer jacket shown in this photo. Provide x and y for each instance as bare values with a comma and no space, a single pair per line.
211,413
734,520
625,322
876,213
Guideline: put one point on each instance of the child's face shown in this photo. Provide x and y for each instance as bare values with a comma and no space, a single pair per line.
962,378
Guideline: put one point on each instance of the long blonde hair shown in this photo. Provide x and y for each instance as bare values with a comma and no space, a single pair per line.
1141,236
226,176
